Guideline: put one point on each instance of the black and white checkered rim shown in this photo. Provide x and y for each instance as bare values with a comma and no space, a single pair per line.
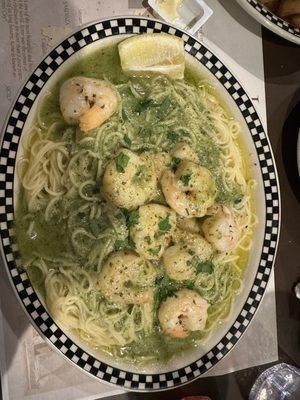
279,22
27,296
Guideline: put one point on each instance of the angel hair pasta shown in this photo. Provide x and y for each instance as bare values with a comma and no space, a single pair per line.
134,218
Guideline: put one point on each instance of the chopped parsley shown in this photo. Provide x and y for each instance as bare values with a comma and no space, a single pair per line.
119,244
165,292
133,218
81,215
174,163
205,266
140,175
161,109
148,239
190,285
130,308
172,137
185,179
164,107
143,105
166,287
158,280
201,266
121,162
127,140
155,251
164,224
120,216
124,115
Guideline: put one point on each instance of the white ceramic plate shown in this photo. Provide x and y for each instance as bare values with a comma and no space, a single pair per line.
195,362
270,20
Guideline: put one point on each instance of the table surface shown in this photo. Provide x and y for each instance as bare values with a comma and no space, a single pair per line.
282,78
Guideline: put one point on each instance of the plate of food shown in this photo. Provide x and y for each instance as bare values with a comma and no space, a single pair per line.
140,206
280,16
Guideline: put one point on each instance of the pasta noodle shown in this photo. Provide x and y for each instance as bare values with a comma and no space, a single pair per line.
75,228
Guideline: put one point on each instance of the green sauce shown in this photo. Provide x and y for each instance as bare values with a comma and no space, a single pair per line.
47,238
101,64
51,239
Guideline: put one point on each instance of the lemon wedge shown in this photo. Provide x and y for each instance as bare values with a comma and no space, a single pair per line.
153,53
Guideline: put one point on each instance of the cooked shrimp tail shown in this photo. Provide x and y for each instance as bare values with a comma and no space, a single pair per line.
87,102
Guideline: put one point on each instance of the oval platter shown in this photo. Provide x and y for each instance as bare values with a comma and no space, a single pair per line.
267,198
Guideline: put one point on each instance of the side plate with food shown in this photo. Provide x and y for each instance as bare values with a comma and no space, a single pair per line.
280,16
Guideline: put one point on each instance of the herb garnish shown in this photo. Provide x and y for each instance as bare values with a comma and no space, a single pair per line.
143,105
127,140
140,174
165,288
174,163
121,216
133,218
130,308
148,239
124,115
155,251
119,244
185,179
172,137
201,266
164,224
164,107
80,215
121,162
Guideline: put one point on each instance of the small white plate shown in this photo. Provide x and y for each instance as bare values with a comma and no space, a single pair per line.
192,14
271,21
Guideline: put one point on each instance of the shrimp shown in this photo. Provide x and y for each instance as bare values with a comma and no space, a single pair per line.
177,263
184,152
183,260
129,180
127,278
89,102
194,241
190,190
221,230
153,232
184,313
188,224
